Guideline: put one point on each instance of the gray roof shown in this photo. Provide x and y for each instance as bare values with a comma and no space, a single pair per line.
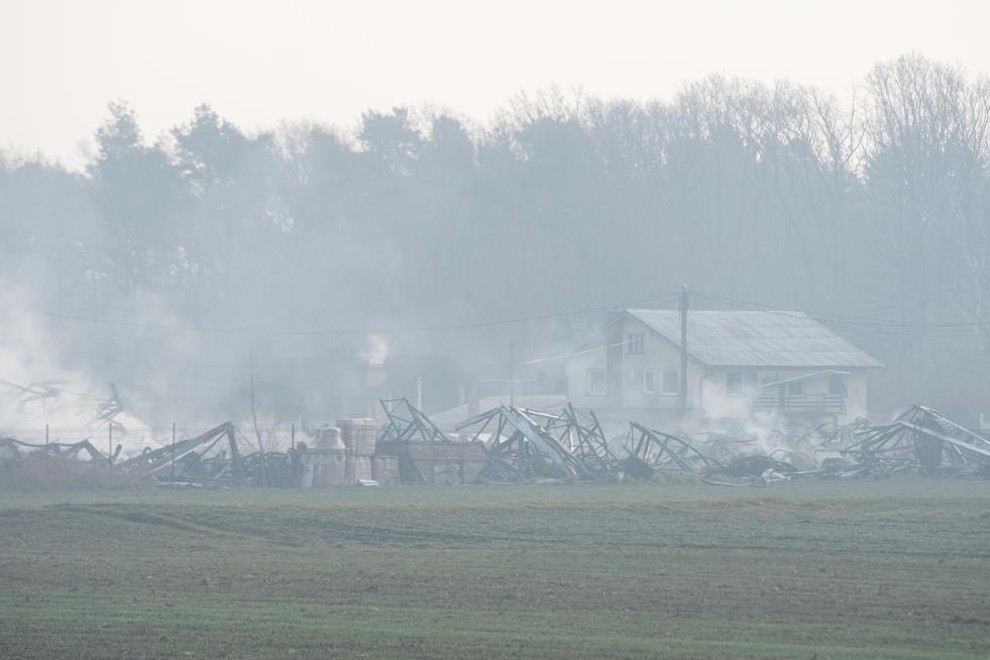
751,339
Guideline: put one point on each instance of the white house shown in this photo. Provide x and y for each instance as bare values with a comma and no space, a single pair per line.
739,364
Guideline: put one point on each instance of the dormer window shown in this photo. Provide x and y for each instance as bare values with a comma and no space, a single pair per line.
634,343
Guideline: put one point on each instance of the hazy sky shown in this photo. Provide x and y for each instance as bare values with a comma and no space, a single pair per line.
258,62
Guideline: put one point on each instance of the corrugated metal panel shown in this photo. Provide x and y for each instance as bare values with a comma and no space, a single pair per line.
757,339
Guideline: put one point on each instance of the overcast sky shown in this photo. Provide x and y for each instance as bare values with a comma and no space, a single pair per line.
258,61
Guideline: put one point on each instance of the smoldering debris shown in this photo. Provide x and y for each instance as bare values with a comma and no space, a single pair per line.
583,435
654,452
12,448
502,445
423,453
921,440
512,445
527,445
57,466
203,460
407,423
750,470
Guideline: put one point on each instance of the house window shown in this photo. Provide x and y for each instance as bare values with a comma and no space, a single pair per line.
649,381
596,382
795,388
634,344
734,383
669,382
837,385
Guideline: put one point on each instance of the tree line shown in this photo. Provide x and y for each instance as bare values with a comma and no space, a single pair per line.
871,212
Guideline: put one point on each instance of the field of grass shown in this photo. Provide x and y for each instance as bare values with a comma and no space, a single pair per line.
851,569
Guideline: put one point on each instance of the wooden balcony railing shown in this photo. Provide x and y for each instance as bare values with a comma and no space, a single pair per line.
802,403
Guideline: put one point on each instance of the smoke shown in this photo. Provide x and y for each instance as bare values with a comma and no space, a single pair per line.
37,392
376,350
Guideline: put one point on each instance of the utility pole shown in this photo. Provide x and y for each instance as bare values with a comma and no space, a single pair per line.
512,373
682,375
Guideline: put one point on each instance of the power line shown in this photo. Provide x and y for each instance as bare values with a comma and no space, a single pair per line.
328,332
567,355
147,363
116,359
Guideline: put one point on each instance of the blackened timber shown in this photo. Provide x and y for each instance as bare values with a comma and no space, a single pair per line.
408,423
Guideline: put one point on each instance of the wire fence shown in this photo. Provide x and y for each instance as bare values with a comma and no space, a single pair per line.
265,437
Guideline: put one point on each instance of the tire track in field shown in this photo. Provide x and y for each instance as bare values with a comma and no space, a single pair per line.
140,517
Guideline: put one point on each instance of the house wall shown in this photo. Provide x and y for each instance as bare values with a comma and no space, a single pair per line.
658,355
717,403
624,372
855,397
707,386
576,373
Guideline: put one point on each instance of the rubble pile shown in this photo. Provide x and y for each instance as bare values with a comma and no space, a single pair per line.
512,445
57,466
920,441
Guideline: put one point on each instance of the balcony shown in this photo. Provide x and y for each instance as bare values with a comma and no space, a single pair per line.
802,403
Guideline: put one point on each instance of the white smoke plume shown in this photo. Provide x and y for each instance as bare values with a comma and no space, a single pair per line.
38,394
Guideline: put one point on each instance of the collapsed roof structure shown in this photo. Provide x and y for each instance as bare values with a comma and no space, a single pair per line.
508,444
921,440
200,460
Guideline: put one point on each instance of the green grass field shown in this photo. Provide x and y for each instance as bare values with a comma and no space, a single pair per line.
867,569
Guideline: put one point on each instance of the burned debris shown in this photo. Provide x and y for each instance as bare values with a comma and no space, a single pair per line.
920,440
512,445
11,448
583,435
752,470
210,458
56,465
405,423
424,454
524,445
655,452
